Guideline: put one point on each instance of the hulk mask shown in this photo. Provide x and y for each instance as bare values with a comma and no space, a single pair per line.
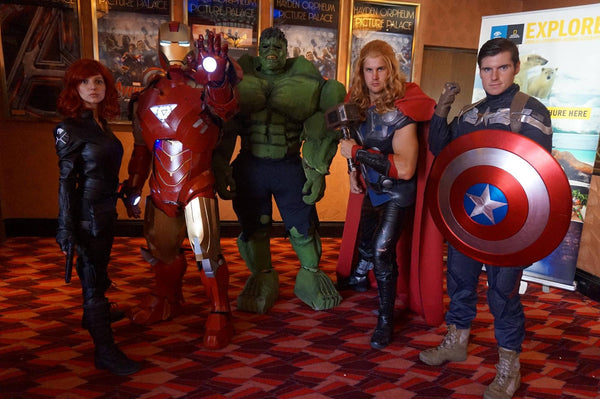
272,54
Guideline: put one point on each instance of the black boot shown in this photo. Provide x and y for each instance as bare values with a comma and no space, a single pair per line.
116,314
384,331
96,315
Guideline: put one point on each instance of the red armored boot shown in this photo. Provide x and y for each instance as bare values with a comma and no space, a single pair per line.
219,327
167,299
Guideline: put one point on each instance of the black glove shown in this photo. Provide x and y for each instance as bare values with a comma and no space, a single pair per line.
64,238
451,89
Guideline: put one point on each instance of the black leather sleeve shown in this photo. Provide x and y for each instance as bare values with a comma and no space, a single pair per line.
376,161
68,151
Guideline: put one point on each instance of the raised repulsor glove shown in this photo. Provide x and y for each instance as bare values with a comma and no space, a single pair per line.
499,198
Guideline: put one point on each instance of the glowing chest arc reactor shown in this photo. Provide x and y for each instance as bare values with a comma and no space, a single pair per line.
163,111
499,197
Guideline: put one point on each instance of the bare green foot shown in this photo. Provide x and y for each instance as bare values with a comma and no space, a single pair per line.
316,289
259,293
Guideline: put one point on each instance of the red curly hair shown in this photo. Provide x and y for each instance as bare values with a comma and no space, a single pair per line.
70,104
395,84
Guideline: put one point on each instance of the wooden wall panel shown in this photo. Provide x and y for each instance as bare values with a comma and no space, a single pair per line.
589,246
441,65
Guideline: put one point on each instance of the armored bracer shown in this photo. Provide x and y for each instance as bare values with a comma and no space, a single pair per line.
223,101
377,161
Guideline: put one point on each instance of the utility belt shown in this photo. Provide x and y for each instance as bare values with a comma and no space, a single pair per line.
102,216
402,192
97,190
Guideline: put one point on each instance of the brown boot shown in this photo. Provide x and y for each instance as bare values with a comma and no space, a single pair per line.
508,376
453,348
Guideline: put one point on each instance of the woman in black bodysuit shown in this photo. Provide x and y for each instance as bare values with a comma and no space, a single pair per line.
89,161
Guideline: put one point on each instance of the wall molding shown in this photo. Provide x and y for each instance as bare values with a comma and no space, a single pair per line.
134,228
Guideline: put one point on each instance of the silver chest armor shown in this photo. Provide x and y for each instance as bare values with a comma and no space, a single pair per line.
378,130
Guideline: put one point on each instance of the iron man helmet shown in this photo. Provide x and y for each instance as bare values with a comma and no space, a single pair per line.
174,44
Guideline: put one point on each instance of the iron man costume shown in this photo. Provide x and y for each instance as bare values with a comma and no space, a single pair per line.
175,127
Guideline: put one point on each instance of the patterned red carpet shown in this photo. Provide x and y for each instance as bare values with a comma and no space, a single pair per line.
291,352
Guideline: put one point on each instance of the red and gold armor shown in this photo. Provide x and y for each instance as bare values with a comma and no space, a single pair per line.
175,132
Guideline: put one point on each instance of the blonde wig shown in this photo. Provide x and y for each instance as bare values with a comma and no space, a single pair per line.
394,85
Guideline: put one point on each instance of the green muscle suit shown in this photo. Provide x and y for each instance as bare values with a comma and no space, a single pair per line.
282,104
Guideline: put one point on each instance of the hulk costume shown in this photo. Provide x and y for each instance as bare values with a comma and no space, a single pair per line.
286,151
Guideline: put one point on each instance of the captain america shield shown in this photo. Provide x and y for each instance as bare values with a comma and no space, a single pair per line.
499,198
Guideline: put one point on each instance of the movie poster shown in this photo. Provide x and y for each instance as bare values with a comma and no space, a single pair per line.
236,21
394,23
311,29
560,55
40,39
127,45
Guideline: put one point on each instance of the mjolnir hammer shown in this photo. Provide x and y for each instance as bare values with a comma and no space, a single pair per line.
343,116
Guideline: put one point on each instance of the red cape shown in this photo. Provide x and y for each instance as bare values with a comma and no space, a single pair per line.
419,249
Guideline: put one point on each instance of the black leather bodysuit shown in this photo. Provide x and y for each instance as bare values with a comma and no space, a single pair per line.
89,163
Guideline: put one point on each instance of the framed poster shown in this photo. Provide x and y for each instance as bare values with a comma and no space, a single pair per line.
312,30
127,45
394,23
40,39
236,21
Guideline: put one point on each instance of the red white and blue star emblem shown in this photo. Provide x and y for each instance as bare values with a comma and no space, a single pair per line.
500,198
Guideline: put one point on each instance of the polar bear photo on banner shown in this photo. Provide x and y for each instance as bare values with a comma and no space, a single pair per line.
528,62
540,86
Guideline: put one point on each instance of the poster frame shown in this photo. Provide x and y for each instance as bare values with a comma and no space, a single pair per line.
413,37
150,17
329,70
235,52
50,71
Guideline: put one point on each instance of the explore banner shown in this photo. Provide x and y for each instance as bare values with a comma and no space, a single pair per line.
560,56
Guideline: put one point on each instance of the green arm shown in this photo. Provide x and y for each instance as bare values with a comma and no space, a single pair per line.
320,144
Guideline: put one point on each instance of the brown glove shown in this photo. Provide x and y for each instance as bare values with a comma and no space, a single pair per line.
451,89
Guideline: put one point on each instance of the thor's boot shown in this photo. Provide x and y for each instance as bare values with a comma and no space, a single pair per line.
359,279
166,301
107,356
453,348
262,287
384,331
508,376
